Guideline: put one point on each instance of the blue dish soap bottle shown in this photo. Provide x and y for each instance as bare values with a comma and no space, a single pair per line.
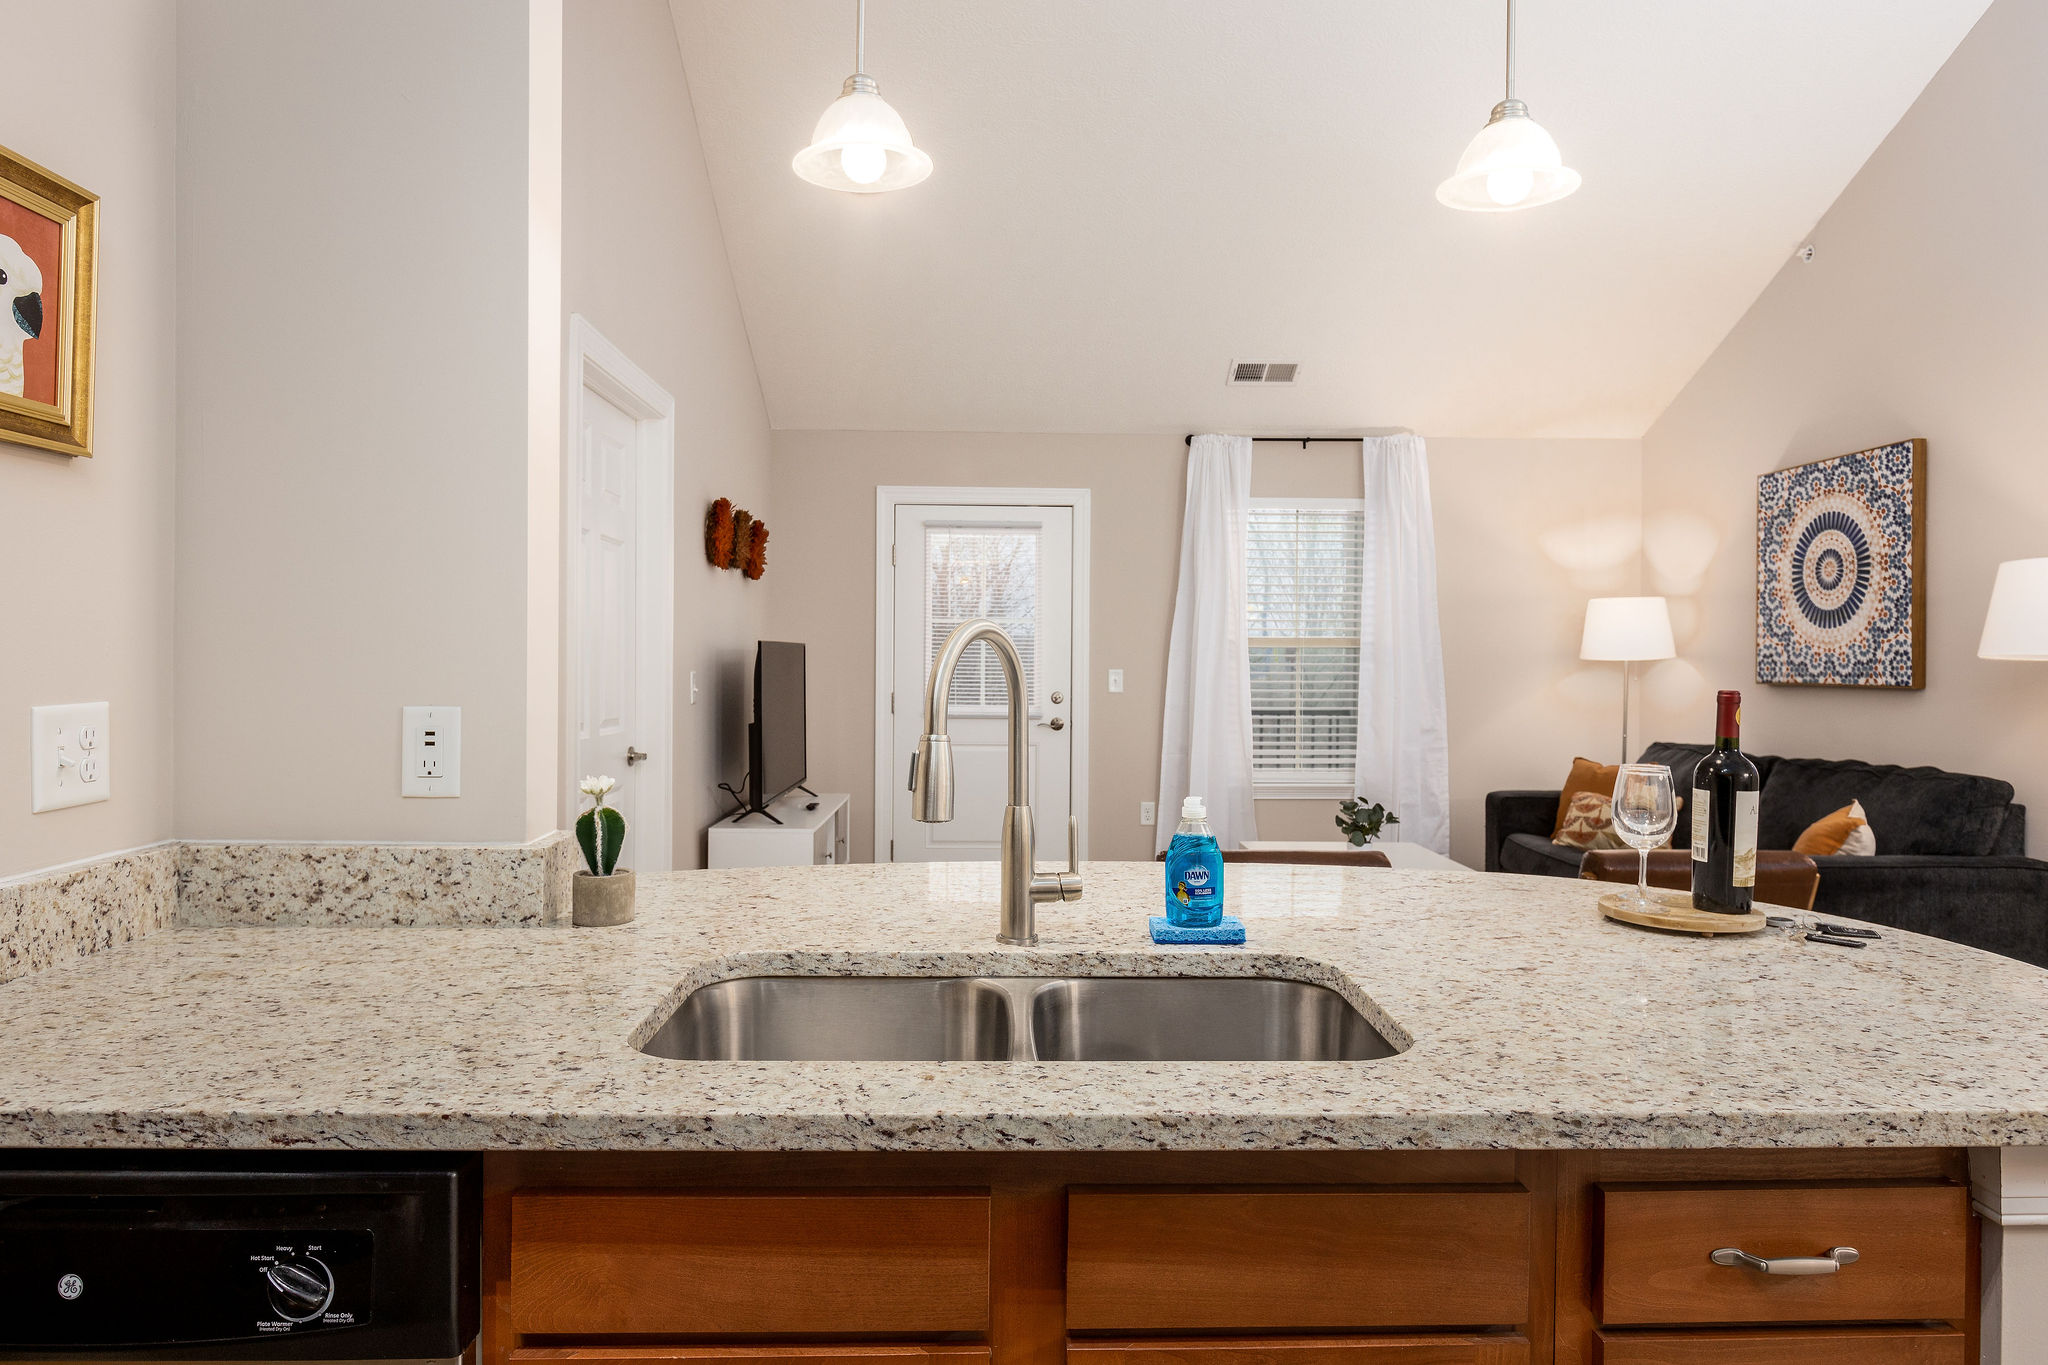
1194,871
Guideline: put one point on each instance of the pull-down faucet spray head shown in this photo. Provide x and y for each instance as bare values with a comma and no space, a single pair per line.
931,780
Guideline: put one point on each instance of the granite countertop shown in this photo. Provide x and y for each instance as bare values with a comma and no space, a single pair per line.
1530,1022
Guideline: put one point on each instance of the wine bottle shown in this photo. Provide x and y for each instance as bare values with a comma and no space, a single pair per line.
1726,792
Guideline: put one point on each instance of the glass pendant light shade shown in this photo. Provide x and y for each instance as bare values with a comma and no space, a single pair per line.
861,146
1512,164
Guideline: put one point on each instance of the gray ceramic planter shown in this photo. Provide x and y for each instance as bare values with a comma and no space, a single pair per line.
603,901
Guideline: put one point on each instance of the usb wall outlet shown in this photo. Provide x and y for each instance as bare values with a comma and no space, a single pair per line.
431,761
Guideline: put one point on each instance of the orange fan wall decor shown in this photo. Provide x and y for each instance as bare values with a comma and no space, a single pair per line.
754,562
733,539
718,534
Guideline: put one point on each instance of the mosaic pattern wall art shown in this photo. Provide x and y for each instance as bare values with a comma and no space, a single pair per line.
1841,543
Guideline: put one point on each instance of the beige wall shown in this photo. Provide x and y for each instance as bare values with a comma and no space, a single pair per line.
644,261
86,544
355,224
1920,315
1526,531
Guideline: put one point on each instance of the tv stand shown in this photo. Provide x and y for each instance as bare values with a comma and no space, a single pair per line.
800,837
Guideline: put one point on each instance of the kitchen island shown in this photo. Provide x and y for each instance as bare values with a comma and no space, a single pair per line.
1566,1096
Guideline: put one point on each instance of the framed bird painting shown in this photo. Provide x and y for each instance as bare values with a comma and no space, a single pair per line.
48,262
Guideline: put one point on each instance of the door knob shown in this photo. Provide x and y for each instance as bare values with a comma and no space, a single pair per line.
1056,724
633,756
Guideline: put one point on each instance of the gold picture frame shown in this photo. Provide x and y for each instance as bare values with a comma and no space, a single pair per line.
46,349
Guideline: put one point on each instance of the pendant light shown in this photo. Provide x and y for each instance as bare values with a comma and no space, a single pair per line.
1512,163
860,144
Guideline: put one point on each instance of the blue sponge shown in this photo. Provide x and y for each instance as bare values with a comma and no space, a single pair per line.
1229,930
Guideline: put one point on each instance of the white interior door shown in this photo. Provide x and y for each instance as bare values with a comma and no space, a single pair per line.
1015,566
607,692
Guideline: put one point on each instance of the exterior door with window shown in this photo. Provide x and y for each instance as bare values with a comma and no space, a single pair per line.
1013,565
1305,572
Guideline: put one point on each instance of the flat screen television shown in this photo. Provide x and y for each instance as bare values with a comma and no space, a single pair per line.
777,747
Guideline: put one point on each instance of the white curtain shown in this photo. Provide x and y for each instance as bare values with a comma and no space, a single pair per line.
1403,740
1206,749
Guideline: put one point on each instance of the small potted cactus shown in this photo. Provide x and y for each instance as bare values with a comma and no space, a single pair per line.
604,894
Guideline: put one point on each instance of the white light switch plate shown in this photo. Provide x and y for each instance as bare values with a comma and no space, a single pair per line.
1116,680
431,762
69,761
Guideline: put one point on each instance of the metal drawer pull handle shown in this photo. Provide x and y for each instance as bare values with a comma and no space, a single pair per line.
1834,1260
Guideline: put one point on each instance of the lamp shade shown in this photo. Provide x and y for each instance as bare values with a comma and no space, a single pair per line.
1511,164
1628,630
861,145
2016,626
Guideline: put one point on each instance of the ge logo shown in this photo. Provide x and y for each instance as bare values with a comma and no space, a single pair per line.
70,1287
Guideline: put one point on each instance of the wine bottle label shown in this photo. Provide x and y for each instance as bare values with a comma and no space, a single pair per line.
1702,805
1746,804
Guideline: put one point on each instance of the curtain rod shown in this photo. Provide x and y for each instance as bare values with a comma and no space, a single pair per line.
1320,440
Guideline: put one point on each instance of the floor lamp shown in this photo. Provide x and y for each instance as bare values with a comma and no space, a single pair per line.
2016,626
1627,631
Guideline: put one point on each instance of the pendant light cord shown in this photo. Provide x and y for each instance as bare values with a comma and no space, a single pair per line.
860,38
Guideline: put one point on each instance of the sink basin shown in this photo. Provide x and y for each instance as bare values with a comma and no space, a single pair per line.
840,1018
1198,1019
993,1019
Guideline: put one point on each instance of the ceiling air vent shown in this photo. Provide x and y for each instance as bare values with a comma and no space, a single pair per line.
1263,371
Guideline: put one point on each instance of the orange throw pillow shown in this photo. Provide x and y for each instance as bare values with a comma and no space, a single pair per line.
1586,776
1846,832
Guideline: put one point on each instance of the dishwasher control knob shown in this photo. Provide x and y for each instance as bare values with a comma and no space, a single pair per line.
299,1290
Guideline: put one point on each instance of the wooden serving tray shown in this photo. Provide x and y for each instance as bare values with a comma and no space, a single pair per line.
1674,910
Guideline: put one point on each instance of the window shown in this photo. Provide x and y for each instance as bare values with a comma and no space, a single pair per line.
989,571
1305,577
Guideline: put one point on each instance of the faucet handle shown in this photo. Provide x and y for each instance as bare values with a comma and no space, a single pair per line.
1073,846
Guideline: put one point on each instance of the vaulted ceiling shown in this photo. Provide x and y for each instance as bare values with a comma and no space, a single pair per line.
1129,194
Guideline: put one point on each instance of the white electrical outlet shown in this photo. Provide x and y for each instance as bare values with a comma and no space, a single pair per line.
70,759
432,752
1116,680
1148,812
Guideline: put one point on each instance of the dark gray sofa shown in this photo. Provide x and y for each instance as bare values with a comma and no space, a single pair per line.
1951,858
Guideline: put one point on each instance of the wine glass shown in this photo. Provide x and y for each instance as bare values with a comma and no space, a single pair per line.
1645,814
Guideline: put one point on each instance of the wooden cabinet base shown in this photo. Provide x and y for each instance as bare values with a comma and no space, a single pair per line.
1476,1349
1188,1258
1796,1346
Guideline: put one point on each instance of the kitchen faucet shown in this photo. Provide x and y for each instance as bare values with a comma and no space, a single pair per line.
931,785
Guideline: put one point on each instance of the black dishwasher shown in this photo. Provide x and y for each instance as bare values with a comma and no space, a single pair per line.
237,1256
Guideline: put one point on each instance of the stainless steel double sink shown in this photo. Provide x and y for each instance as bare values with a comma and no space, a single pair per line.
1016,1019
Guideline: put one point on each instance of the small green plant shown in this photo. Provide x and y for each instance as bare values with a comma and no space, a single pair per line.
1360,823
600,830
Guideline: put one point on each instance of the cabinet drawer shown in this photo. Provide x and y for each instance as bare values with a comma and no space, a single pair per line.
1799,1346
1912,1242
1476,1349
702,1265
1153,1260
807,1353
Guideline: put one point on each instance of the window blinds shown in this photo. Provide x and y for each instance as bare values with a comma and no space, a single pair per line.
1305,579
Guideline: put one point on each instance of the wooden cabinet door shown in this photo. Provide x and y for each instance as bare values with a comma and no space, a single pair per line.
1264,1260
1796,1346
805,1353
1462,1349
1656,1242
594,1263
